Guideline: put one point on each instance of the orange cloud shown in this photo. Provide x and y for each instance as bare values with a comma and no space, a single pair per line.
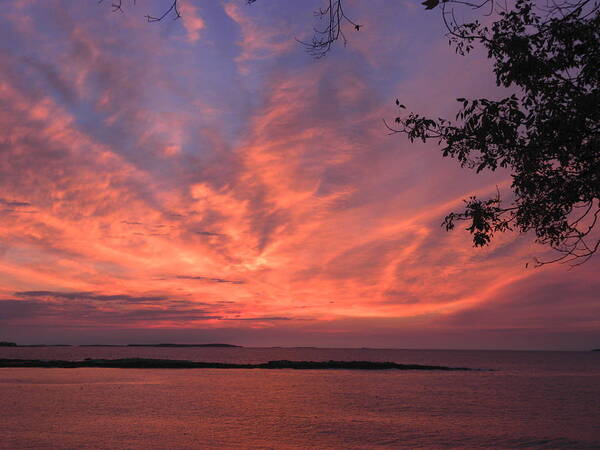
139,193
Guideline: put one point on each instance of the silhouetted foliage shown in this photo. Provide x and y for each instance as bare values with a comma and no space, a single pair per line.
546,133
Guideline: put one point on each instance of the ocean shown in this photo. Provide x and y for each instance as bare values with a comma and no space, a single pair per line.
525,400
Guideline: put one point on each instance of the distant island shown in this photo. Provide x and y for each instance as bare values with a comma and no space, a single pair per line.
44,345
183,345
13,344
142,363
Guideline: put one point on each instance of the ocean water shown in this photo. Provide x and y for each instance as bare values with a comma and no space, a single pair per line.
529,400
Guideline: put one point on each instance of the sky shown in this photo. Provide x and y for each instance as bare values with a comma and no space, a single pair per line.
206,180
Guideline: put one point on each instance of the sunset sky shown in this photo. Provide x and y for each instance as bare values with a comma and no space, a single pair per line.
206,180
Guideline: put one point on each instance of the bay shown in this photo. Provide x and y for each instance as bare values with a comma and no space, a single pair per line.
527,400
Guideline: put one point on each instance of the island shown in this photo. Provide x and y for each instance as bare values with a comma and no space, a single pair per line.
184,345
44,345
143,363
13,344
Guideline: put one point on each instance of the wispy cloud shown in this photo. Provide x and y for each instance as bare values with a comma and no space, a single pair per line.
91,296
258,40
192,21
209,279
173,183
13,204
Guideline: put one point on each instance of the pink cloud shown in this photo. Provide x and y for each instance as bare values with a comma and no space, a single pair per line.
259,42
192,21
139,191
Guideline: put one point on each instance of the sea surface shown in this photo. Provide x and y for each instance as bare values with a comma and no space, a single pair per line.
528,400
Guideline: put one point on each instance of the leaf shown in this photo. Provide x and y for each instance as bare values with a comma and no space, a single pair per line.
430,4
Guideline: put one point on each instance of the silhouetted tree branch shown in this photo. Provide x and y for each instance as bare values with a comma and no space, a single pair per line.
334,17
171,10
547,134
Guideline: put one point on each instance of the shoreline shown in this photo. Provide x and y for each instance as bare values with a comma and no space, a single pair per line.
144,363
